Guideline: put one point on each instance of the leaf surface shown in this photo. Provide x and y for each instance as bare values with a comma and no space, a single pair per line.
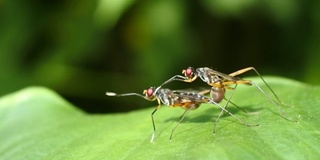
36,123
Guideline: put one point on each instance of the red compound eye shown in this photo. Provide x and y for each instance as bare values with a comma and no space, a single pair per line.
189,72
150,91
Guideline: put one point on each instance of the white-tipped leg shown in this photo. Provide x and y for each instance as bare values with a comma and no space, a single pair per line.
154,126
152,137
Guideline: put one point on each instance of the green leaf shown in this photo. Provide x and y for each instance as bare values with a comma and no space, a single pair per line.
36,123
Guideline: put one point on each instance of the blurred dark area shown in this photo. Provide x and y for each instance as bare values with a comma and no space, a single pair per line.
81,49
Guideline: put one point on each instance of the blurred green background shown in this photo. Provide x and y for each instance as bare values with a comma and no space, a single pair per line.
82,48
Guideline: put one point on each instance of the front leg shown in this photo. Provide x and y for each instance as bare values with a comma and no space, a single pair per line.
176,78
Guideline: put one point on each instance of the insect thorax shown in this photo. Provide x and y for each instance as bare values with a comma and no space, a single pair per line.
204,74
166,96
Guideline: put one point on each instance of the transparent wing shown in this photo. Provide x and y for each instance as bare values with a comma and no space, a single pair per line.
223,76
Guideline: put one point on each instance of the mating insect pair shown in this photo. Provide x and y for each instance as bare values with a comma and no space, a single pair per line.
219,82
186,100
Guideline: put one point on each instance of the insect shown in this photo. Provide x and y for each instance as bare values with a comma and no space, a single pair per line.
186,100
220,82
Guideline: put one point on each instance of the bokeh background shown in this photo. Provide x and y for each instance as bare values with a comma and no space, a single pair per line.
83,48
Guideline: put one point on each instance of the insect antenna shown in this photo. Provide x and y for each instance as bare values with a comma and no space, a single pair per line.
127,94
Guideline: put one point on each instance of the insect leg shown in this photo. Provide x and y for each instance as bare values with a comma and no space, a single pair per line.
243,110
153,124
252,68
241,71
183,116
225,106
281,111
205,92
242,122
175,78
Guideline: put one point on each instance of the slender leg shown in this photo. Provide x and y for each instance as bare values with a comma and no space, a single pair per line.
184,115
205,92
242,122
153,124
268,97
226,83
241,71
248,82
251,68
225,106
280,110
175,78
243,110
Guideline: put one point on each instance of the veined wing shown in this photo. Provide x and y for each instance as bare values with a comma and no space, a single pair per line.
190,97
223,76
